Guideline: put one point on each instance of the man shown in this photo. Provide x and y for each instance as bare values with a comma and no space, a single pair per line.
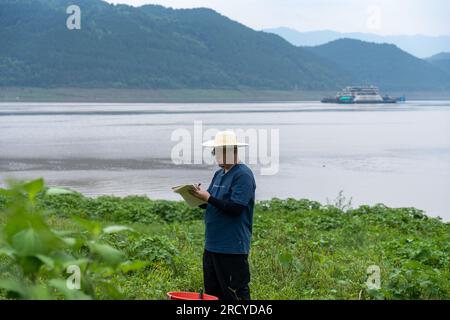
228,221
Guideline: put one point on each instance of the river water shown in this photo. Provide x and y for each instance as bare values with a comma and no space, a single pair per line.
398,155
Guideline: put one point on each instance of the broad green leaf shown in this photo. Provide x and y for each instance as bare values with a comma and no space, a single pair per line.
128,266
78,262
70,294
111,291
27,243
58,191
115,229
22,227
93,227
108,253
6,252
285,259
49,262
15,286
7,192
34,187
39,292
30,265
70,241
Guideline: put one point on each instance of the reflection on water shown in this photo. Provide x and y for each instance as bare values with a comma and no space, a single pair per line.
393,154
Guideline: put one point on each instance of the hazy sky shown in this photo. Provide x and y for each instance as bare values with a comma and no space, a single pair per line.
430,17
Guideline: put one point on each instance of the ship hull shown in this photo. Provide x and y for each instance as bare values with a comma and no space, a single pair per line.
332,100
366,102
361,95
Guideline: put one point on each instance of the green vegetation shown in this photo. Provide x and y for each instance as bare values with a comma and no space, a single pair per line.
35,257
152,47
120,46
301,249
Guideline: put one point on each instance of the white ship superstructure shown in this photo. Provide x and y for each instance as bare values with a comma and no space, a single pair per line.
364,94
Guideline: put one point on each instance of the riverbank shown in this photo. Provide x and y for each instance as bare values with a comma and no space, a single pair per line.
301,249
109,95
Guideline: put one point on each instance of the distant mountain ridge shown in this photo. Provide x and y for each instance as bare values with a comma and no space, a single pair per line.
440,56
153,47
383,65
418,45
441,60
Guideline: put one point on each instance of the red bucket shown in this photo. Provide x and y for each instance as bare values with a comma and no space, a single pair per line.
190,296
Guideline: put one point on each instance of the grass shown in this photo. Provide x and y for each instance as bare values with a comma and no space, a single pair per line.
301,249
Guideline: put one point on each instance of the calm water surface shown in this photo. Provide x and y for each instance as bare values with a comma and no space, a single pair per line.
398,155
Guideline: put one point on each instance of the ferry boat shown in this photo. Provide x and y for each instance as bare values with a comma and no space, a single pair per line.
361,94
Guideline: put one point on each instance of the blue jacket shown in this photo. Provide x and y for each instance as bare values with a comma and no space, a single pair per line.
226,233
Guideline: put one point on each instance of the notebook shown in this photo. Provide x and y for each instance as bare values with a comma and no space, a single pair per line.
183,190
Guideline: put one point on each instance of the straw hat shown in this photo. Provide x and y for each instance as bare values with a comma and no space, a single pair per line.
224,139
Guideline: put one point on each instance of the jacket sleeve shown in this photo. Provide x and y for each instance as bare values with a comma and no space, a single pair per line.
203,206
226,206
242,190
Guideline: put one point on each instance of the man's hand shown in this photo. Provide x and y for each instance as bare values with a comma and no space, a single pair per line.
199,193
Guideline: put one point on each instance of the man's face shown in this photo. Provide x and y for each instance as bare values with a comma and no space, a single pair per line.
224,156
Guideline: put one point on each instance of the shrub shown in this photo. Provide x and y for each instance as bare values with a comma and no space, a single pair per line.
37,257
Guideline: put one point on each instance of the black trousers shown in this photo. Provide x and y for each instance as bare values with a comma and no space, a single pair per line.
226,276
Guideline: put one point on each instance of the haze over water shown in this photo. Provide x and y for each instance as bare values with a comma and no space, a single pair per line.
398,155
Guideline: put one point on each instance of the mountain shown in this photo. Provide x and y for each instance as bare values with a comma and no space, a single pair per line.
153,47
440,56
418,45
147,47
441,60
383,65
